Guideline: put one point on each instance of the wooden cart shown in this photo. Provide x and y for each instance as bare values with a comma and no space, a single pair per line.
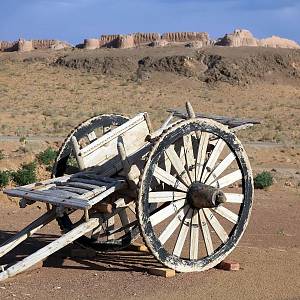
187,188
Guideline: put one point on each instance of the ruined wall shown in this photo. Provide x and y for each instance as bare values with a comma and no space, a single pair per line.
181,37
91,44
239,38
108,40
25,46
145,38
8,46
125,41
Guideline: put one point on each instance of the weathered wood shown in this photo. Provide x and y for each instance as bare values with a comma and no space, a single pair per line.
54,246
26,232
166,196
163,272
194,245
205,232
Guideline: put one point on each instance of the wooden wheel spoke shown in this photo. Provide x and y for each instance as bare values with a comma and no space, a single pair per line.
178,166
185,226
227,214
172,226
201,155
110,226
206,234
234,198
169,179
189,156
215,224
166,212
194,245
227,179
213,158
166,196
225,163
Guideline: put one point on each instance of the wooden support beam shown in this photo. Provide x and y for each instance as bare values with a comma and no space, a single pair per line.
163,272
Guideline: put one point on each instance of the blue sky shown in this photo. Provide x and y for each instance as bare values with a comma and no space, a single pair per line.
74,20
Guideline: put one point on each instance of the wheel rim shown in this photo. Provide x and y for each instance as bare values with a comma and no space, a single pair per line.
108,236
179,234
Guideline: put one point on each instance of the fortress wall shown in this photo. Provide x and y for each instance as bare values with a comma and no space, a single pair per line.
186,37
25,46
43,44
8,46
145,38
91,44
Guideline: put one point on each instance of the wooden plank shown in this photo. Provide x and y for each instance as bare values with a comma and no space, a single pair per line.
167,178
163,272
124,219
178,166
72,189
110,225
165,196
194,244
54,246
183,233
224,164
166,212
79,185
206,234
215,224
27,232
92,136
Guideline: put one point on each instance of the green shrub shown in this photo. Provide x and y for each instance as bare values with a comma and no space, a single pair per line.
4,178
263,180
47,157
2,156
26,174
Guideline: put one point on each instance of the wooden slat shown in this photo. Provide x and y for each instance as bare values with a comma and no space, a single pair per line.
206,234
227,179
224,164
183,233
54,246
124,219
167,178
201,155
215,224
165,196
172,226
189,155
178,166
227,214
166,212
234,198
194,244
213,159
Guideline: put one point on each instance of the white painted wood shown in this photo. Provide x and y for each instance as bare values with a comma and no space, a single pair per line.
189,155
234,198
227,214
185,227
78,156
213,159
201,154
178,166
54,246
166,212
194,244
206,234
224,164
215,224
92,136
167,178
172,226
27,232
227,179
165,196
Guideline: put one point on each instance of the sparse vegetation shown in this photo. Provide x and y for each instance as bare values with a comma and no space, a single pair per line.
47,157
4,178
263,180
2,156
26,174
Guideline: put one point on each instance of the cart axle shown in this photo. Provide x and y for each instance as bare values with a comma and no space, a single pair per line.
201,195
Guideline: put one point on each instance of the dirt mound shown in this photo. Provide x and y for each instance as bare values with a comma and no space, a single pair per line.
278,42
241,65
239,38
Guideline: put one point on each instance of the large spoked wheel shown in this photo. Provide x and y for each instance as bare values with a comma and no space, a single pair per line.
196,195
118,229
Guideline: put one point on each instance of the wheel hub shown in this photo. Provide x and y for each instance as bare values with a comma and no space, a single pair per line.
201,195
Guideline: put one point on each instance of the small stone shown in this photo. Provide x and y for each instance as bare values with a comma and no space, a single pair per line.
288,183
273,170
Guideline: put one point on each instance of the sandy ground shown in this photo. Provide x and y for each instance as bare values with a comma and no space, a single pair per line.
46,102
